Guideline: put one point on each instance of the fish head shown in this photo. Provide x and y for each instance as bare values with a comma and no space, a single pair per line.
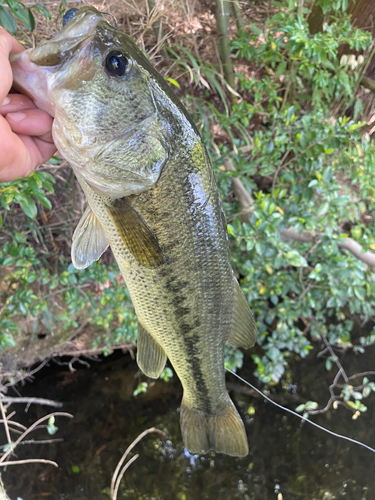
96,83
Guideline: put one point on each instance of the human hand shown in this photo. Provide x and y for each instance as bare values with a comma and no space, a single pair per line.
25,131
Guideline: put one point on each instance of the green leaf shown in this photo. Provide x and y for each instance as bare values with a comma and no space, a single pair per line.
47,185
295,259
43,199
304,140
42,10
7,20
54,160
311,405
22,14
230,230
323,209
51,427
142,387
29,207
255,29
356,406
173,82
31,24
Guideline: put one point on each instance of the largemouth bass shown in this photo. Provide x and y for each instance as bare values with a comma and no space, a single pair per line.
153,198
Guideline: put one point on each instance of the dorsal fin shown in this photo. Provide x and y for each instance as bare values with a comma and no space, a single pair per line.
89,241
244,331
151,358
135,234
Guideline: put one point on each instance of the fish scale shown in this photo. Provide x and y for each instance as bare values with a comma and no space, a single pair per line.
153,199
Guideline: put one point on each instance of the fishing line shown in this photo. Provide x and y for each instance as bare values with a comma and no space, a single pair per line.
300,416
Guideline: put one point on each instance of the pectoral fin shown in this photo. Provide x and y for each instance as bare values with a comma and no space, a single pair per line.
135,234
89,241
244,331
151,358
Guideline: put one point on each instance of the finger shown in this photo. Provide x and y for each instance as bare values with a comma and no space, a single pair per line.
20,154
15,102
40,151
33,122
8,45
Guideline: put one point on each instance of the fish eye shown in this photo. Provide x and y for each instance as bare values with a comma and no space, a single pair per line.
116,63
68,16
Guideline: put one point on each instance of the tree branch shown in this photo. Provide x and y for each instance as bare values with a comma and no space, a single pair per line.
368,83
246,203
39,401
348,244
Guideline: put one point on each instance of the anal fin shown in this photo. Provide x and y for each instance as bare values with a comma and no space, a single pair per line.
151,358
244,331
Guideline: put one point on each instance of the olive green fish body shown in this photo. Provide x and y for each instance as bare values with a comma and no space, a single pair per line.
185,303
153,198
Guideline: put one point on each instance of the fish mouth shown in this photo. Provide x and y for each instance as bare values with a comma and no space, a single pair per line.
33,68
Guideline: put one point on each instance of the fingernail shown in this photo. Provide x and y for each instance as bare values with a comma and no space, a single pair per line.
17,117
5,101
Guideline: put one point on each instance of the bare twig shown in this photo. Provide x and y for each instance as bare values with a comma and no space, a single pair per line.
7,433
24,375
244,199
29,429
363,374
348,244
336,360
278,170
368,83
16,424
37,401
42,441
3,495
223,27
28,461
92,352
133,459
116,478
237,15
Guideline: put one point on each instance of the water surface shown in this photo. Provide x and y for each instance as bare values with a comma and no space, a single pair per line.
287,460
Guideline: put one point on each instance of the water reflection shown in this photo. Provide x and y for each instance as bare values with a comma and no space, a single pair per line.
287,460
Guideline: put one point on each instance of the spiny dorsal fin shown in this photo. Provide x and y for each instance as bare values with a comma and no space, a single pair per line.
244,331
135,234
151,358
89,241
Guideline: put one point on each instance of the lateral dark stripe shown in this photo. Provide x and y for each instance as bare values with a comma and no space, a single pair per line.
191,343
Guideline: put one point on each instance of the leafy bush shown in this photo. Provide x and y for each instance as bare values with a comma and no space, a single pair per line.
307,166
12,10
99,290
315,166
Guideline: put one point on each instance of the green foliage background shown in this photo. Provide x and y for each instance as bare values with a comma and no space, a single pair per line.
307,165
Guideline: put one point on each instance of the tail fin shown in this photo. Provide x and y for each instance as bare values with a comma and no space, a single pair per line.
223,433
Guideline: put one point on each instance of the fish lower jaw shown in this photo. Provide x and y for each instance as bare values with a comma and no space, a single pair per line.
28,80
